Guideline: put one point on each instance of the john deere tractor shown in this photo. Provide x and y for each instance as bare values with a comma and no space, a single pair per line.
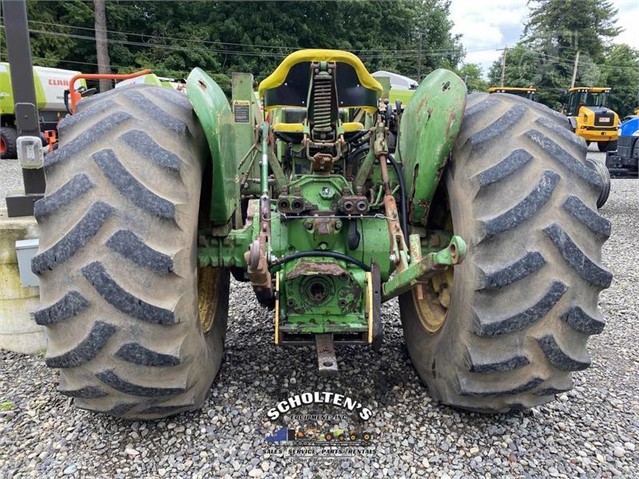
591,119
482,221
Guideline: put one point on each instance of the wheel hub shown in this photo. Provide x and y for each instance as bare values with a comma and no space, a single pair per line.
433,306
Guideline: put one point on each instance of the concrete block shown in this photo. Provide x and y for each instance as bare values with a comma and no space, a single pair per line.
18,331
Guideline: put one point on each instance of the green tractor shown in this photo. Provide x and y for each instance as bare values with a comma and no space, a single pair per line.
481,219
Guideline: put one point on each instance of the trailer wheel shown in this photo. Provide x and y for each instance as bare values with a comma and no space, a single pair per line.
504,330
604,146
8,137
135,328
600,168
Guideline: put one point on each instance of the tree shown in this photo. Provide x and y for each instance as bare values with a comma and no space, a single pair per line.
407,36
621,73
471,74
522,68
556,30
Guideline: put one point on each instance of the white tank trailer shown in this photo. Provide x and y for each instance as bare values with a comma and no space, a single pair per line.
50,84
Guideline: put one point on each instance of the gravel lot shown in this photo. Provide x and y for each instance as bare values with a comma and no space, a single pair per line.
592,431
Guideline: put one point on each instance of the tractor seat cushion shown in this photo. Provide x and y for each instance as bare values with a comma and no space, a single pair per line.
352,126
289,127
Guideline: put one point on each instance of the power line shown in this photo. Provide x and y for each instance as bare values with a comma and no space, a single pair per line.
159,37
211,42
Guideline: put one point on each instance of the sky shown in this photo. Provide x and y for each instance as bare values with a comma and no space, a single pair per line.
488,25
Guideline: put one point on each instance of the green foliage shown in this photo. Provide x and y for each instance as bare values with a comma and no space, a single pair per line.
472,76
7,406
523,68
566,26
556,30
410,37
621,73
545,56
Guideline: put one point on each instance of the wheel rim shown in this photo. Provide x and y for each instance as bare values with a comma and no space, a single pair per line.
3,146
208,291
432,309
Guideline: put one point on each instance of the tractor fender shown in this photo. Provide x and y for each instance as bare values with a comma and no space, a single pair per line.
429,127
214,114
629,127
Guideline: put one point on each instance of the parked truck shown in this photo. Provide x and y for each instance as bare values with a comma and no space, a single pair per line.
590,117
50,84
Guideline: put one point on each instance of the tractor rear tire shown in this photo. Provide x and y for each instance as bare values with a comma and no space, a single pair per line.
8,138
524,302
135,328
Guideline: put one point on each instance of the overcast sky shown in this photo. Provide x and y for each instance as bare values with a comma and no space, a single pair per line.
486,25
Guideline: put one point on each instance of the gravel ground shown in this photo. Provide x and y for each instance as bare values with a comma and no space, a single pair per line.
592,431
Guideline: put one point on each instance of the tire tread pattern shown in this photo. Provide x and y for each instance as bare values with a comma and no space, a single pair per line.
126,348
530,282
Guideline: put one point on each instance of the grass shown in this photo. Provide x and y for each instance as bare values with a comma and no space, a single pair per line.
7,406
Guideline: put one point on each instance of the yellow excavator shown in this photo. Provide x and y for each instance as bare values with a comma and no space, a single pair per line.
590,118
525,92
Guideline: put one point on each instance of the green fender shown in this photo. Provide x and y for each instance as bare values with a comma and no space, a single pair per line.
429,127
214,113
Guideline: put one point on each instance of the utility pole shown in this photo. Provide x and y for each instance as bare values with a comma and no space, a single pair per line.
419,59
503,64
27,119
574,70
101,43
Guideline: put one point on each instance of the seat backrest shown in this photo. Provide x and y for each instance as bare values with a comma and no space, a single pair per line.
288,85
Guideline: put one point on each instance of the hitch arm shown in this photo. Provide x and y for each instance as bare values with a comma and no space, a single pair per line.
423,268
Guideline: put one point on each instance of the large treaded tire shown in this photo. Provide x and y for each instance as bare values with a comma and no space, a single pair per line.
524,301
8,146
117,257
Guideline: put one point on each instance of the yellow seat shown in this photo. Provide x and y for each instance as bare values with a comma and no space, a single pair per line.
288,85
289,127
352,126
349,127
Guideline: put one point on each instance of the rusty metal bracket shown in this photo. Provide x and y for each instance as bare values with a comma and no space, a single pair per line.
399,249
257,256
277,308
374,307
326,359
424,267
